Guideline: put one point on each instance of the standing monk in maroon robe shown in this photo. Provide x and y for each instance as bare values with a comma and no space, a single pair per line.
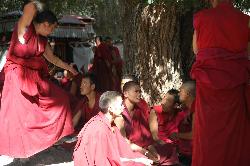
32,107
134,125
100,143
117,63
102,66
221,133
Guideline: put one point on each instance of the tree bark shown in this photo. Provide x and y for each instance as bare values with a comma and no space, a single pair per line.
159,52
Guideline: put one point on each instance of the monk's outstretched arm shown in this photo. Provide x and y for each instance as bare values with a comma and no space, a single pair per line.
29,12
48,54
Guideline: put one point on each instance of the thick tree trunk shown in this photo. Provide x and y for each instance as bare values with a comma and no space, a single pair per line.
157,46
159,53
130,10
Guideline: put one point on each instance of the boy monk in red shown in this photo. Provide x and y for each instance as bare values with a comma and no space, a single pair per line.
221,126
100,143
89,105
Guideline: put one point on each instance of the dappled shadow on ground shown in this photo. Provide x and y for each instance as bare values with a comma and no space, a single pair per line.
55,155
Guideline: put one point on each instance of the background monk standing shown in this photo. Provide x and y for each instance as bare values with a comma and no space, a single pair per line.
134,125
220,41
102,66
100,143
32,107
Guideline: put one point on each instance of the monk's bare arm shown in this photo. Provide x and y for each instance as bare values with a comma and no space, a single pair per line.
77,117
119,122
48,54
195,49
153,125
29,12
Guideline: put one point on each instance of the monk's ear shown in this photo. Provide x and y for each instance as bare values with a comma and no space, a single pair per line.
93,86
125,93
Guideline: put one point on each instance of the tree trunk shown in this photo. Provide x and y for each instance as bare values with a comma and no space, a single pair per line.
157,46
159,54
130,10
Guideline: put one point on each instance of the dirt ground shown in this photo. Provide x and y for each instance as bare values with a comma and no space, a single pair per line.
53,156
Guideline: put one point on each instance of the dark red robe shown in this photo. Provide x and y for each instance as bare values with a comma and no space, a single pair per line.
138,132
102,68
221,134
168,124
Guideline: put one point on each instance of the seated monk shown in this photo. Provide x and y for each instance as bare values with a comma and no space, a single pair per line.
88,106
100,142
184,134
134,126
165,118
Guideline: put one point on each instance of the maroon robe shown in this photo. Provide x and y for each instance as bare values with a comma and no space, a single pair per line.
138,132
168,124
32,107
103,72
221,133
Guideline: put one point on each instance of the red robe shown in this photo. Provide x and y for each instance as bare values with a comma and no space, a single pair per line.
166,124
138,132
185,126
88,113
221,133
32,107
103,72
101,144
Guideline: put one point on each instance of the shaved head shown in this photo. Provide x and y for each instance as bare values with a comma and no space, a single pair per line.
189,87
128,85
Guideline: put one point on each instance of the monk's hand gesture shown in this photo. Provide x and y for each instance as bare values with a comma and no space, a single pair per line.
152,154
72,70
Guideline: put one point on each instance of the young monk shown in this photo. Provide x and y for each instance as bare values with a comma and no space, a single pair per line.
100,143
165,118
134,125
184,134
221,129
89,105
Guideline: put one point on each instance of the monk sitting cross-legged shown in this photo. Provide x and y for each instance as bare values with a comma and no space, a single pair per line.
134,125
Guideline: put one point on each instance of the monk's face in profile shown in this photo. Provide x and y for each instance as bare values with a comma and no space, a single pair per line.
167,102
117,107
86,86
45,28
133,94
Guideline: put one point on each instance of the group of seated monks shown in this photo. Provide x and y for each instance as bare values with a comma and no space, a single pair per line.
162,133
